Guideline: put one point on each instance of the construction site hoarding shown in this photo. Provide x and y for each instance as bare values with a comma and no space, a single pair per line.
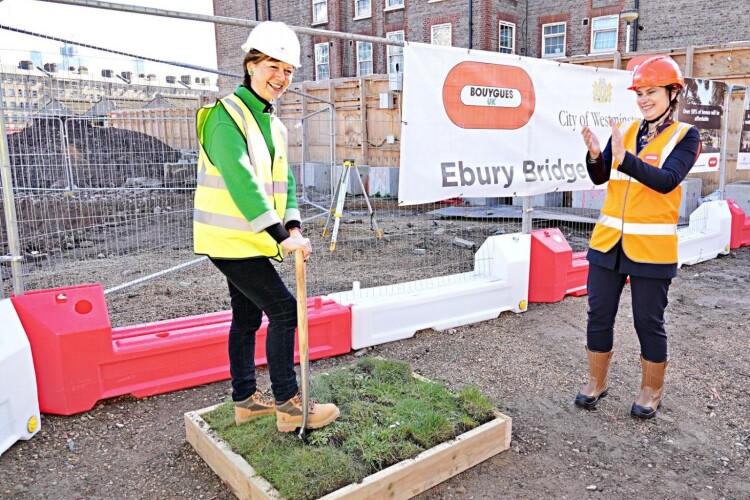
702,105
743,158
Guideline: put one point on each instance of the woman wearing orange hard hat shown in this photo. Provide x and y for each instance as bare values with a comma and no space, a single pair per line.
644,163
245,215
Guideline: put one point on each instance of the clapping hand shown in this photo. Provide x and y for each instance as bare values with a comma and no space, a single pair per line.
618,146
592,143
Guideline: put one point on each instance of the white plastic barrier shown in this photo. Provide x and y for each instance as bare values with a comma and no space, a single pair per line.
19,405
499,282
708,234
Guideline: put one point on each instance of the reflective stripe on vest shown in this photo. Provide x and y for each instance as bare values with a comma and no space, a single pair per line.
219,228
636,228
645,220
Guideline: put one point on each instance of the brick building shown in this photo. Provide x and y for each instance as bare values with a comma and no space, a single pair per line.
545,28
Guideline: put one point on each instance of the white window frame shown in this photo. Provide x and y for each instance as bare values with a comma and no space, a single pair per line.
545,37
394,51
595,31
362,15
360,61
394,4
438,26
500,48
319,21
327,62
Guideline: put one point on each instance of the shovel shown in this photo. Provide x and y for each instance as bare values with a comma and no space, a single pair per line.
304,361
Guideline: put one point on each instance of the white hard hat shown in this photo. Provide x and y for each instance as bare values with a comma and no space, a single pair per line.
274,39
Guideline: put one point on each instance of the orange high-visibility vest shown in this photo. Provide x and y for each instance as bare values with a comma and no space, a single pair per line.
644,219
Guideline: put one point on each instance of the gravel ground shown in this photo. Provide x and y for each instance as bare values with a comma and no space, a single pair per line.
531,364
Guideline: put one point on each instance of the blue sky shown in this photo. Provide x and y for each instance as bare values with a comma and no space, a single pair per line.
170,39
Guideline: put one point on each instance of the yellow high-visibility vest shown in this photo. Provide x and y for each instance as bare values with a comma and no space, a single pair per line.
219,228
644,219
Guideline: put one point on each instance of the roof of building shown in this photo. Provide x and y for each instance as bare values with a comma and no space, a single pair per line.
197,84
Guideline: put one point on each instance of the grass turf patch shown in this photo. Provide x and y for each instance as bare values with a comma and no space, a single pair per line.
387,416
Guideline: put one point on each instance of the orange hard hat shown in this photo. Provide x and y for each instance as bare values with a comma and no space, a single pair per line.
657,71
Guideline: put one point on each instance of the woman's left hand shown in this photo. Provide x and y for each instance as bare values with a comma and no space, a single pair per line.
618,146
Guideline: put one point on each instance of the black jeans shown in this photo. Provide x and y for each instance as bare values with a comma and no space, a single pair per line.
255,288
649,297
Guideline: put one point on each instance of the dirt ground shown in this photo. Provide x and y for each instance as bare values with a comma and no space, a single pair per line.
530,364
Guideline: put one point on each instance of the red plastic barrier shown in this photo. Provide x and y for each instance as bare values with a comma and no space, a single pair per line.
79,359
740,226
555,271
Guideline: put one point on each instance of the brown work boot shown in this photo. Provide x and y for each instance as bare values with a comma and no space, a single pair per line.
257,405
289,414
652,389
597,385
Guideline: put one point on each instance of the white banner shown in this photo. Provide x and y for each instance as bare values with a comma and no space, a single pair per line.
743,158
483,124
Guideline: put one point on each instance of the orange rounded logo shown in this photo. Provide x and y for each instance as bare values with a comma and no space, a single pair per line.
483,95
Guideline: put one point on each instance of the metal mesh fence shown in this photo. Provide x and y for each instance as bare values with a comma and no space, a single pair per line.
108,198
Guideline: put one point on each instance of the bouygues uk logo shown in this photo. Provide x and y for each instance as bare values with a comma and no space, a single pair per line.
492,96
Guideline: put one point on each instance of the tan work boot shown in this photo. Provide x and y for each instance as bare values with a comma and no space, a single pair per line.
597,385
257,405
289,414
652,389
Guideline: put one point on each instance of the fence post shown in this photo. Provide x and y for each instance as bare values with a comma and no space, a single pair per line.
9,208
724,139
526,214
66,152
333,118
305,139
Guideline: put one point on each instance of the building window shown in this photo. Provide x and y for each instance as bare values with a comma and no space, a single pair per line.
322,68
441,35
364,58
395,53
553,41
507,33
320,11
362,9
604,33
393,4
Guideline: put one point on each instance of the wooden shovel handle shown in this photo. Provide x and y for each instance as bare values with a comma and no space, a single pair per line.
304,364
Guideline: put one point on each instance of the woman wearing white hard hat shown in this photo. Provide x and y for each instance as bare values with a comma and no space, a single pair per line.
245,215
